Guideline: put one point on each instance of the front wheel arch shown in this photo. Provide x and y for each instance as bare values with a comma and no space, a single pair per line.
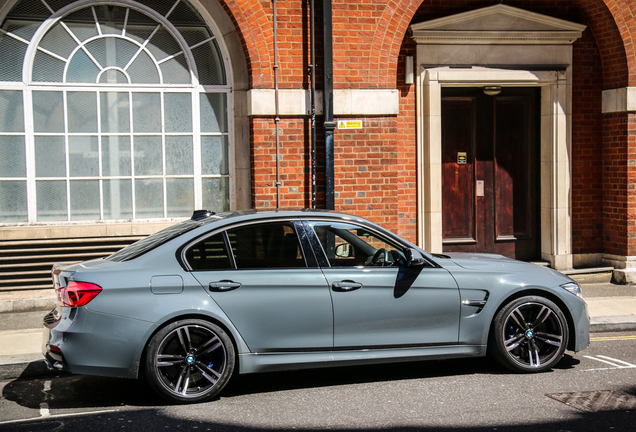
550,296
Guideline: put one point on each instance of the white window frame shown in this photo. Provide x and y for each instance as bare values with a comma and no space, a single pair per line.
28,86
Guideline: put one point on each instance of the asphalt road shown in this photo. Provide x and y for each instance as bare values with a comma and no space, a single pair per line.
460,395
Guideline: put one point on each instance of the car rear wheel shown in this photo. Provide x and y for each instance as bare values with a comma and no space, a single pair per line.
530,334
189,361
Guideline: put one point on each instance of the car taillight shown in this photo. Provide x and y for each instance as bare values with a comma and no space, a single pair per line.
77,294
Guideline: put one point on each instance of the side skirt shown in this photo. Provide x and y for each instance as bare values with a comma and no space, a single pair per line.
267,362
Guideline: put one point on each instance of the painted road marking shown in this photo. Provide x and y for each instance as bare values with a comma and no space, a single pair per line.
615,363
612,338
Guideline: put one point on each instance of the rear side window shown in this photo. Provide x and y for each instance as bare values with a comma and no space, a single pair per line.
209,254
266,245
263,245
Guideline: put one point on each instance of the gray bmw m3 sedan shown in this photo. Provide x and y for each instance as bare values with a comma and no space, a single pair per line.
251,291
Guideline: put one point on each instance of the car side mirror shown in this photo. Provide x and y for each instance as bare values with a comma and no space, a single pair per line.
345,250
414,258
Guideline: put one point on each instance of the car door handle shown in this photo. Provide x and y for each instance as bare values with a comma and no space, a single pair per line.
346,285
224,285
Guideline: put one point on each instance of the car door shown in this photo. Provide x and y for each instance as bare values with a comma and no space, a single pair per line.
377,300
266,283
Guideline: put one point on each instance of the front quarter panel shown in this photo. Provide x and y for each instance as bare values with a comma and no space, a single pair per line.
498,287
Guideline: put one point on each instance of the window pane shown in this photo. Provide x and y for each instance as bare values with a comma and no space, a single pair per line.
82,69
180,197
85,200
216,194
13,196
51,197
178,112
148,156
48,111
213,112
144,70
352,245
11,107
58,41
209,64
47,68
214,155
209,254
266,245
12,157
114,112
175,71
113,76
149,198
13,51
146,112
179,155
83,156
117,199
50,156
163,45
116,156
82,112
82,24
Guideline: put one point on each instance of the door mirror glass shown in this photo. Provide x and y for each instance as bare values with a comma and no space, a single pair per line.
345,250
414,258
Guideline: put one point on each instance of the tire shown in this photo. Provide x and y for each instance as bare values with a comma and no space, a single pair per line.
189,361
529,334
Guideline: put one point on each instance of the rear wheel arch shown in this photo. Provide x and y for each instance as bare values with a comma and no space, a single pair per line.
189,359
208,318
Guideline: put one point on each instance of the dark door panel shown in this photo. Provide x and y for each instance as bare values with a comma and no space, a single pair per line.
490,172
458,169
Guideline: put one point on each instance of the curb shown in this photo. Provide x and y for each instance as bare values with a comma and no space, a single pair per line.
613,324
28,304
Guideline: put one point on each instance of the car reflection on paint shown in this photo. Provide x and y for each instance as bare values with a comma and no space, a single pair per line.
252,291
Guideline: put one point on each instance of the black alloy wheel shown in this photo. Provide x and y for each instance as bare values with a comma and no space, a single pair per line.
530,334
189,361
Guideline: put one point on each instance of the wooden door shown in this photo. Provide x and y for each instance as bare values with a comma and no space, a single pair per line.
490,172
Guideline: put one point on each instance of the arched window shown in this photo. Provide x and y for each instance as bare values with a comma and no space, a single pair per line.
111,111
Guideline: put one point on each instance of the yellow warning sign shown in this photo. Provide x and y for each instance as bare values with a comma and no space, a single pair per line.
349,124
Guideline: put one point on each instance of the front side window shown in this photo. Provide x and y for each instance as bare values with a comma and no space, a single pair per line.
348,245
110,112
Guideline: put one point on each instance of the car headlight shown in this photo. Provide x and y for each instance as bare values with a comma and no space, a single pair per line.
574,288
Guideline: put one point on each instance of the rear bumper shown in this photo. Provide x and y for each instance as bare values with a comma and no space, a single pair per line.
53,356
82,341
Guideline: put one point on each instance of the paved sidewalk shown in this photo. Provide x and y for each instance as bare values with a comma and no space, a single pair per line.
611,308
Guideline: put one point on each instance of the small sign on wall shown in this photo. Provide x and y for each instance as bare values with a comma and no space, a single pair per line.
462,158
349,124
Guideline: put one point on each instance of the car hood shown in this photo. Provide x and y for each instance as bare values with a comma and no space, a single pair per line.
499,263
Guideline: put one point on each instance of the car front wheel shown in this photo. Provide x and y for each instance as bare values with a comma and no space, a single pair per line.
530,334
189,361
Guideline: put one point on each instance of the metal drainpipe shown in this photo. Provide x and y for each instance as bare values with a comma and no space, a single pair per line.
312,93
329,124
277,118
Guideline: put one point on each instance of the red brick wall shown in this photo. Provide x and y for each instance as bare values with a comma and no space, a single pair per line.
587,147
376,166
615,184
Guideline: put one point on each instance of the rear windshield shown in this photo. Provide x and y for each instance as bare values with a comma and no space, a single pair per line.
157,239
